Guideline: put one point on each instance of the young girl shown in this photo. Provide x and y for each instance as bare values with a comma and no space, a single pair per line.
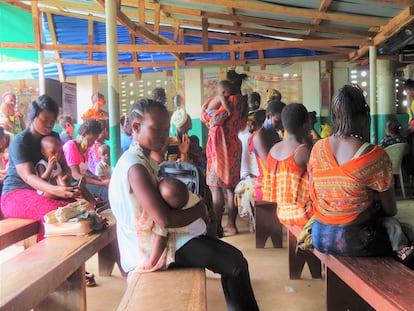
392,134
286,181
137,203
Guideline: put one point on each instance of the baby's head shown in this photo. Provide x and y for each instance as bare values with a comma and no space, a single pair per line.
174,192
51,146
103,151
224,87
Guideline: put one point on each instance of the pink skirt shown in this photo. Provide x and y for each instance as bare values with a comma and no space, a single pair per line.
27,203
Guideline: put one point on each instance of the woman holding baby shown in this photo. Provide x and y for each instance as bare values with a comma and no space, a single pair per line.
137,205
19,197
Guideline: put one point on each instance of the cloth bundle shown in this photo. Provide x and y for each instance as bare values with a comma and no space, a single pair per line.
72,219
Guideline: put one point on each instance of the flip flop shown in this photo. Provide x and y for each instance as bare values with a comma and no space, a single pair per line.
227,231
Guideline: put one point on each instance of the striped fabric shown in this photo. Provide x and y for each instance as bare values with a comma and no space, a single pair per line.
287,185
341,192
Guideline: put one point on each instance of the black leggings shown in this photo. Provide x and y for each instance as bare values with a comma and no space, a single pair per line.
226,260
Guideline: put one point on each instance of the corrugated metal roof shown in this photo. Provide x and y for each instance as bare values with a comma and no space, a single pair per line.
218,32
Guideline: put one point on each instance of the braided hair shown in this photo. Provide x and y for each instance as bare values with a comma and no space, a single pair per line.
348,107
143,106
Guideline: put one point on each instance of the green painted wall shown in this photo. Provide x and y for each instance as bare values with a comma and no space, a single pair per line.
200,130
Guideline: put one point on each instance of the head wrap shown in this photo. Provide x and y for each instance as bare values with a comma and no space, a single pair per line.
273,93
179,117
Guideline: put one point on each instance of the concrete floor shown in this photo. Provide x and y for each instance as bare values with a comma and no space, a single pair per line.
268,270
269,274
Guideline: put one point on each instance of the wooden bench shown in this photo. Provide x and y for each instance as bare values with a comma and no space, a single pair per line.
267,224
13,230
358,283
172,290
50,275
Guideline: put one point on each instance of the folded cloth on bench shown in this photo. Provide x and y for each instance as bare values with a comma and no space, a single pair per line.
305,236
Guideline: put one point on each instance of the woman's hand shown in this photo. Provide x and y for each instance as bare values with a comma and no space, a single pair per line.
65,192
184,146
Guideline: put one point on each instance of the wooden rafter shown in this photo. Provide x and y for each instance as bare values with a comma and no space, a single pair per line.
90,37
323,7
261,45
157,19
36,26
347,35
140,30
389,30
333,57
54,41
137,73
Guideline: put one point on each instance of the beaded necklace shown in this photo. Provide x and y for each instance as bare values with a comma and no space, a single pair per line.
350,135
356,136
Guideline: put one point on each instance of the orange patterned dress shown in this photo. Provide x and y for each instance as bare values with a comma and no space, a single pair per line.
223,149
287,185
341,192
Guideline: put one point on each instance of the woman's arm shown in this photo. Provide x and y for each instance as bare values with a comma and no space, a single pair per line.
90,178
387,200
302,157
149,198
263,141
27,174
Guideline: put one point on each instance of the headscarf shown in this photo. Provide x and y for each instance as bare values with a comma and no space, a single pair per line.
273,94
179,117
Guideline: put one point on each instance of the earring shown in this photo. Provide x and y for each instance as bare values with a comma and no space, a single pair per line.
84,143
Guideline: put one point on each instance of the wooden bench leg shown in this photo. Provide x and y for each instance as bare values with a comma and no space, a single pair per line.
298,258
70,296
340,296
107,257
267,225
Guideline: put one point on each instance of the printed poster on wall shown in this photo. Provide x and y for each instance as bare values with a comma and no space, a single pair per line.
69,99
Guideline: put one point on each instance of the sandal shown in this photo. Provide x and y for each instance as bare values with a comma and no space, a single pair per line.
229,231
406,256
90,280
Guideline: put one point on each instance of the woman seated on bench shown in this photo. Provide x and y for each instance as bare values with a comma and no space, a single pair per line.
137,203
286,182
347,174
19,197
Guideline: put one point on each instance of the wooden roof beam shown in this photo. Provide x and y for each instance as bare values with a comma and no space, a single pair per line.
393,27
54,41
90,37
265,61
36,26
323,7
137,73
140,30
252,46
